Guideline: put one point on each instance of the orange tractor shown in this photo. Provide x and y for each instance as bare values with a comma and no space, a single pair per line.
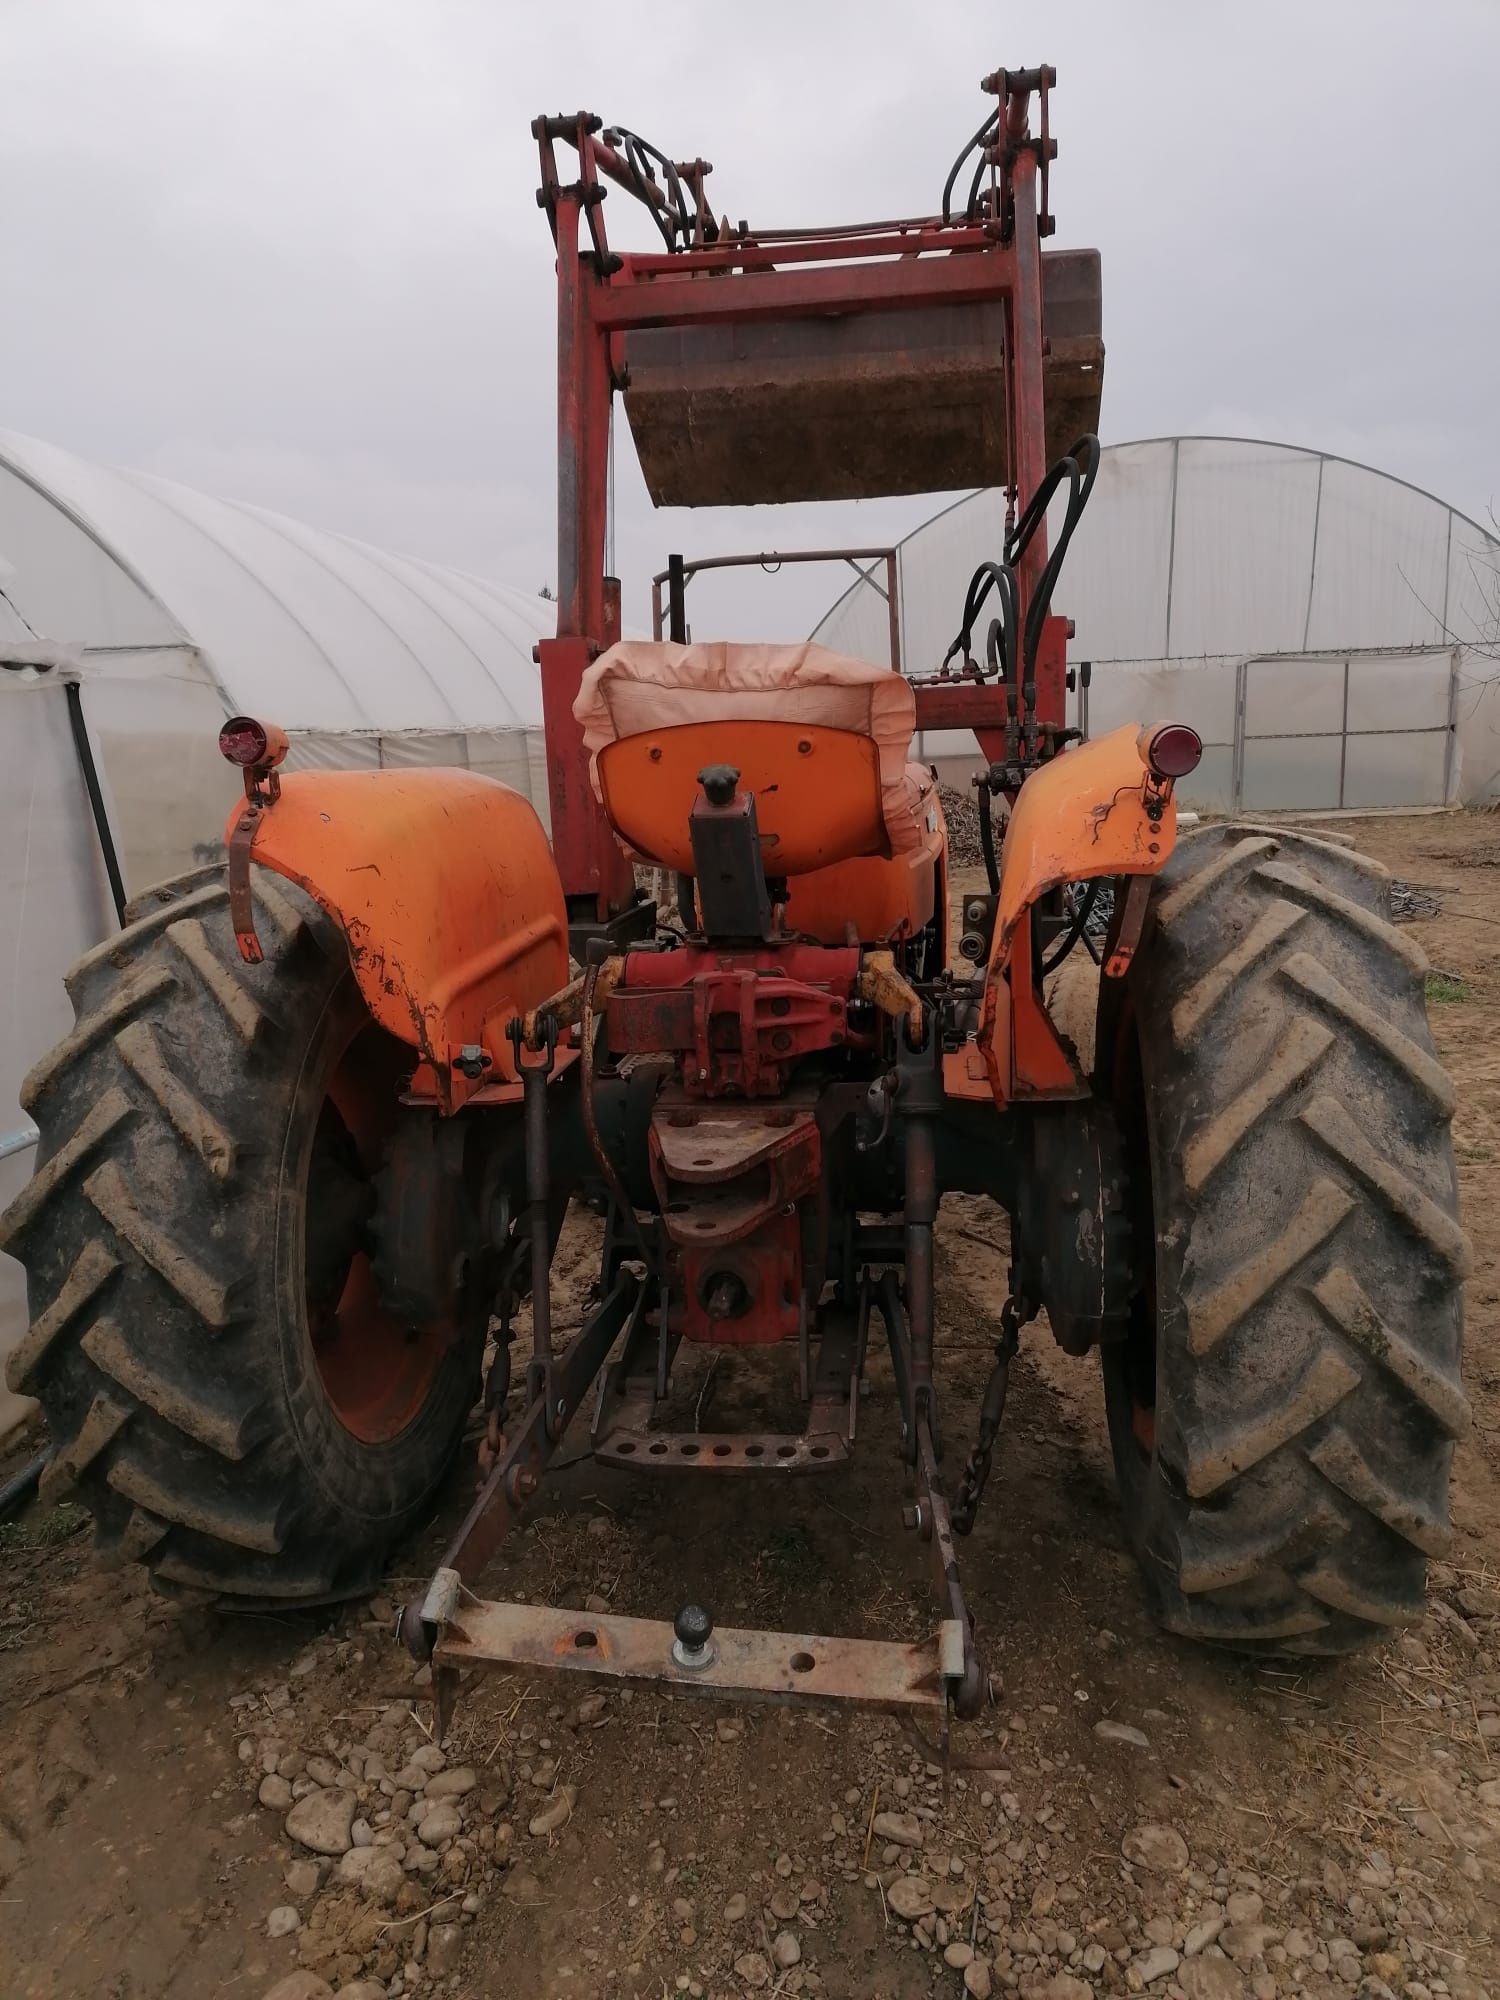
313,1138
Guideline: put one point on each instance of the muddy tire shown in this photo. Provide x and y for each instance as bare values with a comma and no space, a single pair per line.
173,1263
1284,1411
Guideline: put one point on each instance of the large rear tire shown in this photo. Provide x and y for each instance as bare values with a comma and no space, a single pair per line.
225,1391
1284,1410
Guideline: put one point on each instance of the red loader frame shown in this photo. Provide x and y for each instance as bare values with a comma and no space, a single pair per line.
759,366
718,276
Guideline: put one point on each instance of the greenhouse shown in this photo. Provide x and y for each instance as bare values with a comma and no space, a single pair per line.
134,616
1332,633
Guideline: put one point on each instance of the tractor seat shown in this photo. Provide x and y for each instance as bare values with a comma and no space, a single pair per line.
821,740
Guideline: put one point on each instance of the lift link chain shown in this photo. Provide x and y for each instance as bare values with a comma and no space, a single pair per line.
977,1471
496,1390
497,1381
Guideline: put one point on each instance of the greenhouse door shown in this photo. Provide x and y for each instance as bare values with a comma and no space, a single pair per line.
1358,730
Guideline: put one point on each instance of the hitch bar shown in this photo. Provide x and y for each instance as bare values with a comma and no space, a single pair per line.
517,1472
453,1628
757,1666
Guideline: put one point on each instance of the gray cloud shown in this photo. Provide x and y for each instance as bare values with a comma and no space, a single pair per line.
291,253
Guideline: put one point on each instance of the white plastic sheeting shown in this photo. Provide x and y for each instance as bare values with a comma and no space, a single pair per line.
181,609
55,904
324,632
172,610
1331,632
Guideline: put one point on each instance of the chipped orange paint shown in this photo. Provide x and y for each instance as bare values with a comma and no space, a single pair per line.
1082,815
445,887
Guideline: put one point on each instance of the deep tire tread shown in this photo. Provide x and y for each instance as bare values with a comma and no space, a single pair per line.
110,1192
147,1232
191,1119
1309,1258
62,1162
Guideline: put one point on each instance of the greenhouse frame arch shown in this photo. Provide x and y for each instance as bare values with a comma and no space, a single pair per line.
1332,632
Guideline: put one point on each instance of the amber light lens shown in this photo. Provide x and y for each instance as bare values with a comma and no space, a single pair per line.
243,740
1174,751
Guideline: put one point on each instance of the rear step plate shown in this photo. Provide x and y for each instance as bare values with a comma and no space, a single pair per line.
727,1451
744,1665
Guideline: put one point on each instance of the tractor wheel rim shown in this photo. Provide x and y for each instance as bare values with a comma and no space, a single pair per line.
376,1370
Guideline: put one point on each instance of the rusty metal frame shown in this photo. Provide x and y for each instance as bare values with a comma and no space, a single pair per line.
517,1471
808,1669
712,273
621,1438
772,560
448,1624
735,275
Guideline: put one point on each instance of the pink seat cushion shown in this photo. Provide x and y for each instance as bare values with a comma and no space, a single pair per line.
640,685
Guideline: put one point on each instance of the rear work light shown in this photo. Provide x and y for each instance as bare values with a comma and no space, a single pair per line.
246,742
1173,750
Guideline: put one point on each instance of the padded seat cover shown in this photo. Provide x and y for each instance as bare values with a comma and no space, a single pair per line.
642,685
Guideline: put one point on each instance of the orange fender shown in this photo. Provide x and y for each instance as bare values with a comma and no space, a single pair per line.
445,887
1081,815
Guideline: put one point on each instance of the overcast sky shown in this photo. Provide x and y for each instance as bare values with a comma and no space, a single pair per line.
290,252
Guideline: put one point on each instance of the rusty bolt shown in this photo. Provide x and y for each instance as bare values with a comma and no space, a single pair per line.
526,1483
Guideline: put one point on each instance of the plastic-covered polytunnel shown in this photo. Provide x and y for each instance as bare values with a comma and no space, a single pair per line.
134,616
1332,633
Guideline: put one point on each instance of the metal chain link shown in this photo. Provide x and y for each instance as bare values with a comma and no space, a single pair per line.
497,1381
977,1470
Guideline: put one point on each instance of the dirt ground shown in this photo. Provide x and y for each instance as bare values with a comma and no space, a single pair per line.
1233,1830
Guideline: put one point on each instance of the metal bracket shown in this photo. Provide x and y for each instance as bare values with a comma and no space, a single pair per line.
711,1451
951,1650
622,1437
783,1667
969,1686
518,1470
241,903
441,1601
1127,934
262,790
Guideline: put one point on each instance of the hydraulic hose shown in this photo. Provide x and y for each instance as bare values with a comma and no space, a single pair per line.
987,131
1080,467
1077,929
987,837
1012,655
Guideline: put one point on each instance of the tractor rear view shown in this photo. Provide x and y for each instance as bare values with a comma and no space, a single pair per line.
309,1148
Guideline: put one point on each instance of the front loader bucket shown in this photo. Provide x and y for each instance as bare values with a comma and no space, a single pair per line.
855,404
